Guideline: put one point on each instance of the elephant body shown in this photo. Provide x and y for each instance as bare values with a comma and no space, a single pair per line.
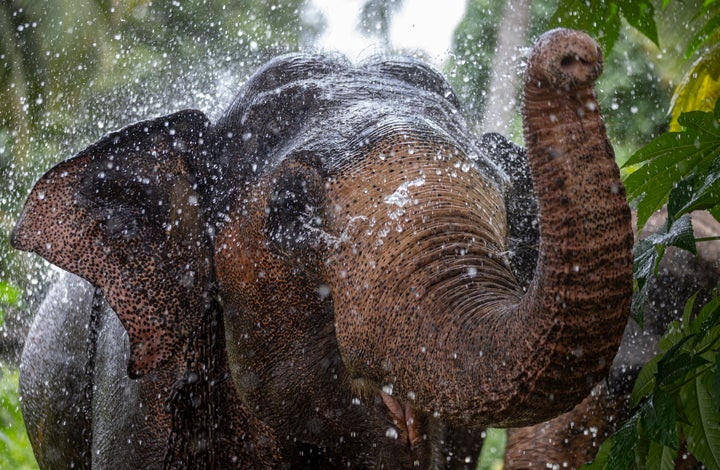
75,385
337,273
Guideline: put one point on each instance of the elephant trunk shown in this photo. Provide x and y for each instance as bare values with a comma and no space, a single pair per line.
575,310
426,305
560,339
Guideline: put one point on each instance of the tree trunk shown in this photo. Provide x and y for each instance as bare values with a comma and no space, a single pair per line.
505,76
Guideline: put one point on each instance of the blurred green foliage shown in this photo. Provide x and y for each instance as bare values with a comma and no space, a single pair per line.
10,296
491,457
15,450
634,90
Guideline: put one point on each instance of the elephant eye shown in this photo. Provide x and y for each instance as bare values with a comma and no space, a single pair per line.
294,210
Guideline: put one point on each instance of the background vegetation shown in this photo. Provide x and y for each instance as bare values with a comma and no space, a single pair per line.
72,70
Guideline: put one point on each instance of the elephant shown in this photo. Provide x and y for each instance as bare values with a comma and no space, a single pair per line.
333,274
572,439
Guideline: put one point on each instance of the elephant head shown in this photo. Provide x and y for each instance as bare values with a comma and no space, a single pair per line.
338,243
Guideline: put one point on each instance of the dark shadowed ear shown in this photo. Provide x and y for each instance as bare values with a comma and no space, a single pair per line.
126,215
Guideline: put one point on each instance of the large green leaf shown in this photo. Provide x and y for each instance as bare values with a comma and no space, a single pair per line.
621,452
703,434
659,166
658,419
702,36
716,383
645,381
648,253
699,89
641,15
660,457
600,19
9,293
617,452
15,450
600,462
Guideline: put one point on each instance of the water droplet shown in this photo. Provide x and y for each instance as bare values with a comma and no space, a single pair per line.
323,291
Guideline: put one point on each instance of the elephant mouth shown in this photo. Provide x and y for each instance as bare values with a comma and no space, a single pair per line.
407,426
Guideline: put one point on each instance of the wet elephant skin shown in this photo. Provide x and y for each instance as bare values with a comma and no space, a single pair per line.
324,277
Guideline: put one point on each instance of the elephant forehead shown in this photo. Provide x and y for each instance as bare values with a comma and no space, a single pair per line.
412,210
407,182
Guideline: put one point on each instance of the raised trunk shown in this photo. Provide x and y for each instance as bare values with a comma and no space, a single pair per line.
576,308
426,306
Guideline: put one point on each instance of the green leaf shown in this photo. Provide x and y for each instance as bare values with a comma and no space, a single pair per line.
704,121
648,253
710,318
700,328
675,365
703,434
15,449
622,450
9,293
708,195
600,462
660,457
658,419
637,307
599,19
716,383
645,381
602,18
641,449
617,452
702,36
680,197
688,310
672,157
641,15
699,89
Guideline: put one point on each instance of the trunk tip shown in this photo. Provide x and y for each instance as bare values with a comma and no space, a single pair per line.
565,59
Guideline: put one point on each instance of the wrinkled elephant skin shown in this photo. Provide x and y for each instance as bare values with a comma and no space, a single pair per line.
327,276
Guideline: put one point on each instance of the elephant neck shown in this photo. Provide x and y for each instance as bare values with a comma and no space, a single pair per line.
582,284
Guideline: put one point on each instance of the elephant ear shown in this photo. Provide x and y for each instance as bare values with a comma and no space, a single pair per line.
126,215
